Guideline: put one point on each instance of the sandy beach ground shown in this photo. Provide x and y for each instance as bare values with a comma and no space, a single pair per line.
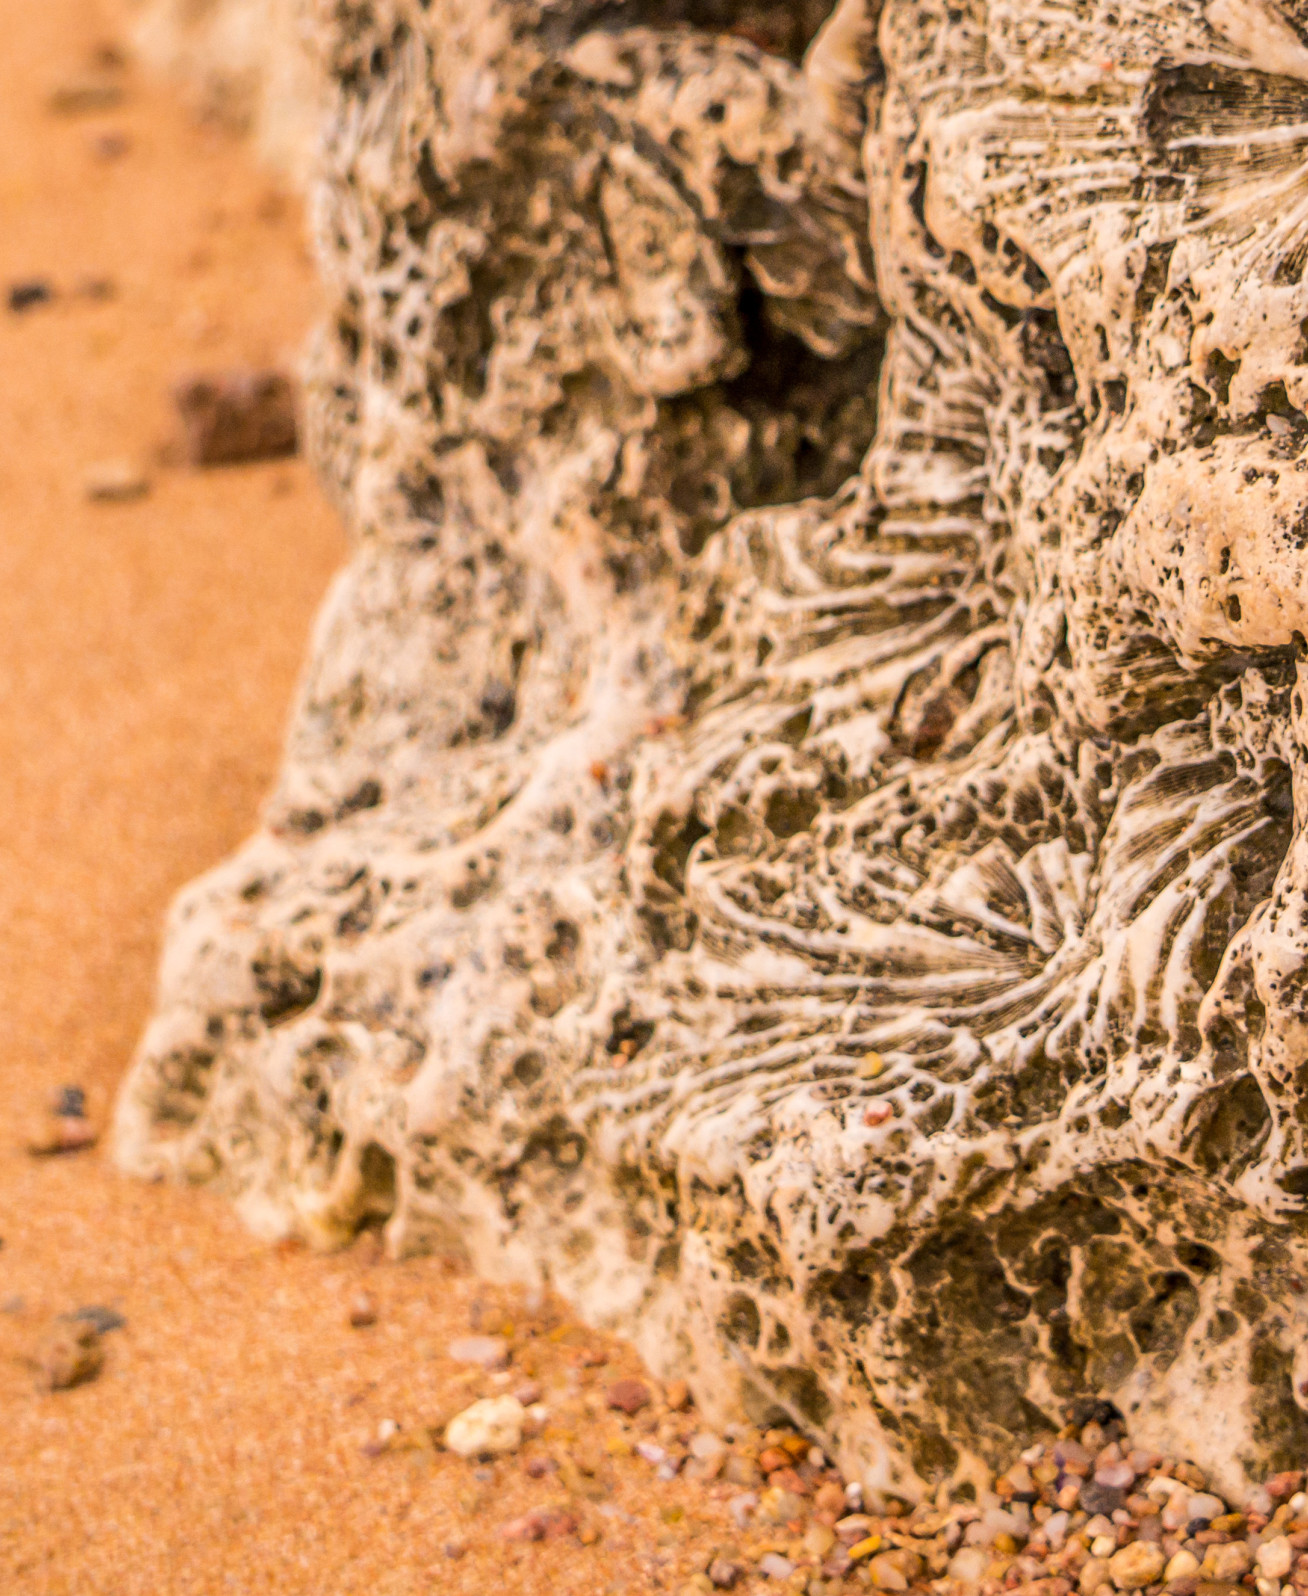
149,652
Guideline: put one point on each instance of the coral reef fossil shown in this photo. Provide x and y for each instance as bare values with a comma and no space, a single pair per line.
791,830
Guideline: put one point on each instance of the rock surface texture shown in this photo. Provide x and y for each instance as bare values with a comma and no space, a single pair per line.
792,829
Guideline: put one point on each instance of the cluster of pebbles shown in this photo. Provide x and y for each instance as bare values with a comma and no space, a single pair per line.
1082,1512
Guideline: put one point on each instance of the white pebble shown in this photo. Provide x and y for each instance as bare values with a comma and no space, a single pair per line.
773,1566
1275,1558
740,1507
1118,1475
1055,1530
493,1425
487,1352
970,1564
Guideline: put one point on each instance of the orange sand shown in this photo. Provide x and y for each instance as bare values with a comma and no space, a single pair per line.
149,654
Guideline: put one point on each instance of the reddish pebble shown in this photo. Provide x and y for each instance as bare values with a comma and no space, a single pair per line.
787,1480
773,1457
529,1393
541,1524
1281,1486
628,1396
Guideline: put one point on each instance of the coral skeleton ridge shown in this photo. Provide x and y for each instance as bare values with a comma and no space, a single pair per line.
791,829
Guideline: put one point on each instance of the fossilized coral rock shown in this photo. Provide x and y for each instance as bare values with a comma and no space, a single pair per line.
790,829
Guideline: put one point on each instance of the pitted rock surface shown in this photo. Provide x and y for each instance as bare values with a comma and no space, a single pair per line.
792,825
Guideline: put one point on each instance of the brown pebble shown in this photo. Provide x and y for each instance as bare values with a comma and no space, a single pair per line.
677,1395
110,145
235,416
69,1355
91,92
456,1549
529,1393
723,1573
628,1396
363,1311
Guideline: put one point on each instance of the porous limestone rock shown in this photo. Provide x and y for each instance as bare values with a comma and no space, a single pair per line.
791,829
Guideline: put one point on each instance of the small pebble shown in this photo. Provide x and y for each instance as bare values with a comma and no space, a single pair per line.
65,1133
75,96
773,1566
102,1320
69,1355
1275,1558
1119,1475
742,1507
236,416
1137,1564
628,1396
723,1573
71,1102
116,482
363,1311
31,292
488,1428
487,1352
110,145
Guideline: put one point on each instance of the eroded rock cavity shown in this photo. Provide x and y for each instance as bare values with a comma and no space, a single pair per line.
793,829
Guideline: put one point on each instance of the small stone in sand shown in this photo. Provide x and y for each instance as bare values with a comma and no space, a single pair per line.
772,1565
1136,1565
487,1428
628,1396
487,1352
723,1573
677,1395
65,1133
116,482
101,1319
540,1524
110,145
235,416
91,91
69,1355
363,1311
29,293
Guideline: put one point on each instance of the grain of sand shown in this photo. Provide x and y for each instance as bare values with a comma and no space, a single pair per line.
150,651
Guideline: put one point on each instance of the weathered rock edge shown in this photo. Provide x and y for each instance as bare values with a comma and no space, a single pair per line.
821,881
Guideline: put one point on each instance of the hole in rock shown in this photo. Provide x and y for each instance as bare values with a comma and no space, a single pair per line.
285,990
777,27
376,1184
